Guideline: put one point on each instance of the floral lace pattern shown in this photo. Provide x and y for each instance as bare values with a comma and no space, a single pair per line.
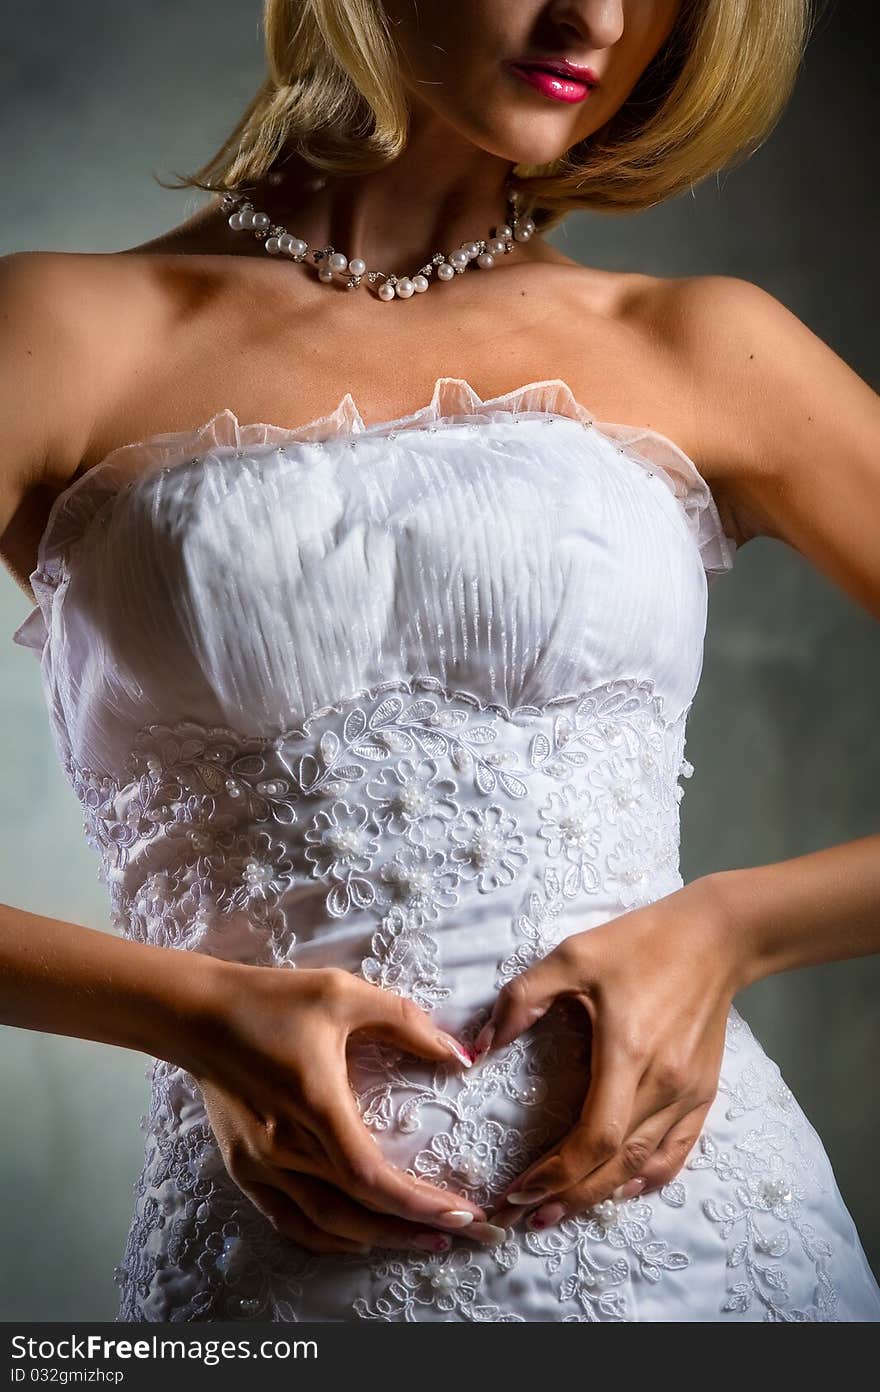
407,806
401,801
774,1173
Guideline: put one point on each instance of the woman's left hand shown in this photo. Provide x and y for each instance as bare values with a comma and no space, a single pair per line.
657,984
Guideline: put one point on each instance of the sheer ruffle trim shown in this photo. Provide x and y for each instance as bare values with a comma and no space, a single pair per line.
454,401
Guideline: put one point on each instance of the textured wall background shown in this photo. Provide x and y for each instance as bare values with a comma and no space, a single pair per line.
784,731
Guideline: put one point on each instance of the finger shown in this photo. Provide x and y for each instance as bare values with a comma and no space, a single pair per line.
674,1149
635,1152
608,1115
359,1168
400,1021
657,1149
334,1212
287,1219
520,1003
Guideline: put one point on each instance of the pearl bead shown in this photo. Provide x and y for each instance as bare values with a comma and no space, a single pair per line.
486,848
242,215
606,1213
444,1279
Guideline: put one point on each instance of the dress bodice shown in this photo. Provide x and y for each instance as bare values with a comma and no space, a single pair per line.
247,575
399,660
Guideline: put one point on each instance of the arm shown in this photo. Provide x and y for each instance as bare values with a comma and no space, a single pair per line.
62,978
793,452
821,907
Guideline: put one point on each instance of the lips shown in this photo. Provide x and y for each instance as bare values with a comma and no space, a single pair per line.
551,83
575,72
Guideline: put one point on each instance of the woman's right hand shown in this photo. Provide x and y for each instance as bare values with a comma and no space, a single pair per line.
270,1054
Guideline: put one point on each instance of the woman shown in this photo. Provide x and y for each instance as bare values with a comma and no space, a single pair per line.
378,721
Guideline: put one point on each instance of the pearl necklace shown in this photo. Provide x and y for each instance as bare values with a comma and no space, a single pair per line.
278,241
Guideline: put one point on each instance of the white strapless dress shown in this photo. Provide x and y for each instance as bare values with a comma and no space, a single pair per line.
410,699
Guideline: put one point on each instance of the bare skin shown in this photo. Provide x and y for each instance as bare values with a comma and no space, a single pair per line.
293,347
99,350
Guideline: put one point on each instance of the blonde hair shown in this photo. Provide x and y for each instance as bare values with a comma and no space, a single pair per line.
333,95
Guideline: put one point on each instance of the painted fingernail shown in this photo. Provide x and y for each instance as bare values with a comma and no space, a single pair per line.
483,1041
630,1189
542,1217
526,1196
456,1218
490,1233
459,1050
432,1242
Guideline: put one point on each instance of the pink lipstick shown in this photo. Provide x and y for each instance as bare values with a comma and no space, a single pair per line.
556,78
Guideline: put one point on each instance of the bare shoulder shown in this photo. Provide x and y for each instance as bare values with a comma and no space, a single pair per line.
771,400
66,318
43,389
790,429
63,354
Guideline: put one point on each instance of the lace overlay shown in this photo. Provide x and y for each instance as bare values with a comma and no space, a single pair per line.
406,807
402,802
513,596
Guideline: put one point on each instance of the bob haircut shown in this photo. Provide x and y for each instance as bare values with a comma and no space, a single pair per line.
333,96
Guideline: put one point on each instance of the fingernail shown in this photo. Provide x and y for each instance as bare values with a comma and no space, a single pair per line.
432,1242
526,1196
630,1189
458,1049
490,1233
483,1041
456,1218
542,1217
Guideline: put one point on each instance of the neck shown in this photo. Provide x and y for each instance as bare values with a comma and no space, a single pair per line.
434,196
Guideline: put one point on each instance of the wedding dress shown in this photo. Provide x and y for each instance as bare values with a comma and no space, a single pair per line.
410,699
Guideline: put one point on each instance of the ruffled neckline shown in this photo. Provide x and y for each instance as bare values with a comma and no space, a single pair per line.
453,402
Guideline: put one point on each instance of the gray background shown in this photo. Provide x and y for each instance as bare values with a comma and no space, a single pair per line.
783,733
